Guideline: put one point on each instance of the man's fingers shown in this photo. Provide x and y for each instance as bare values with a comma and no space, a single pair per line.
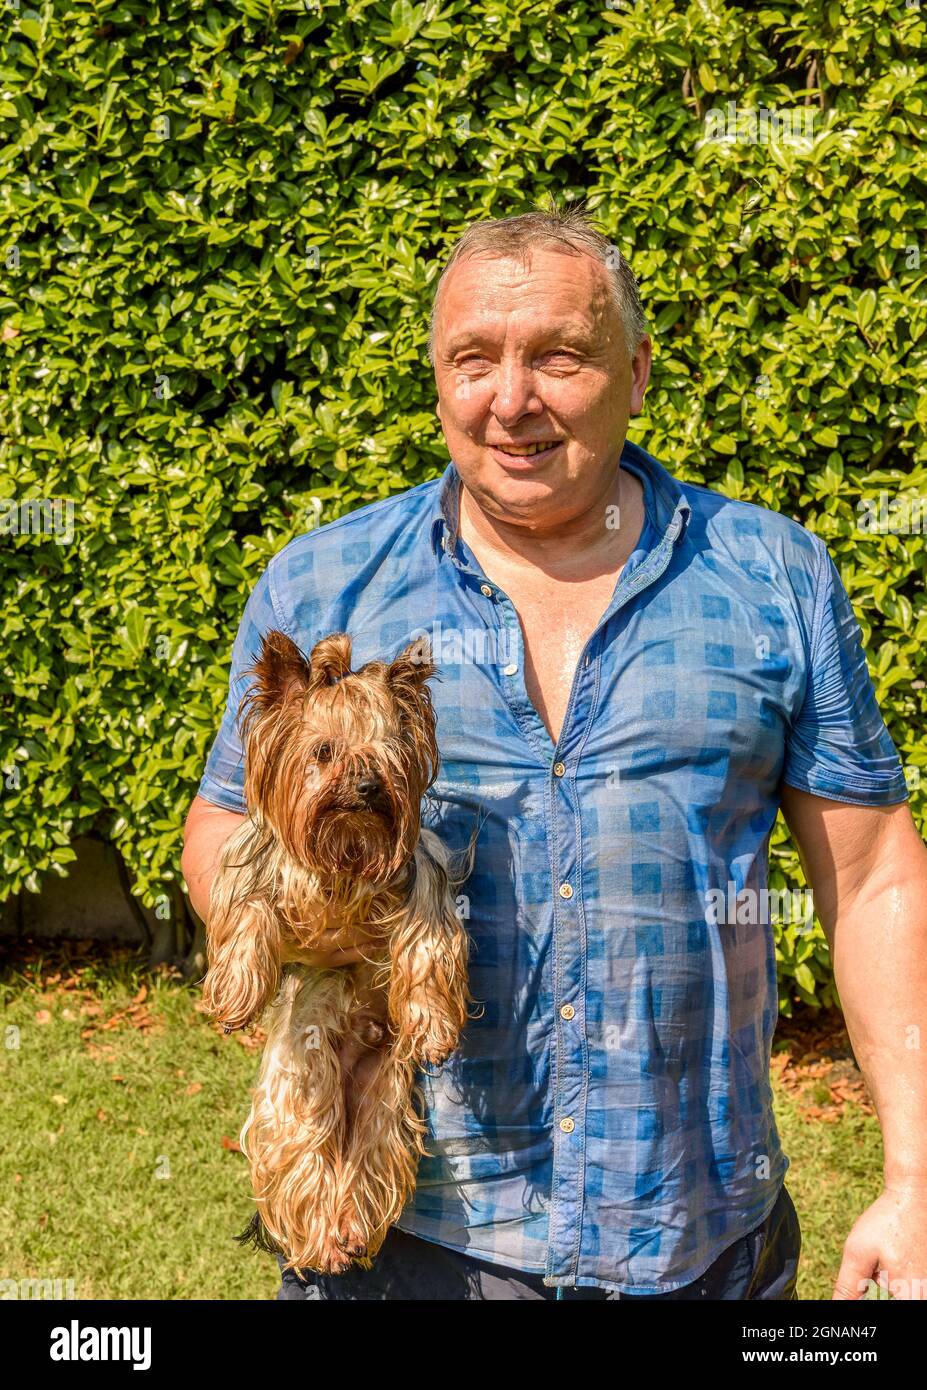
332,948
334,942
348,956
853,1279
326,958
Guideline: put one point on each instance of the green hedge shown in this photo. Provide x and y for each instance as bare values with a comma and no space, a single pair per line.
222,224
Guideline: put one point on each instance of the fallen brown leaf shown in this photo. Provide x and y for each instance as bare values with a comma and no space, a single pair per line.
232,1145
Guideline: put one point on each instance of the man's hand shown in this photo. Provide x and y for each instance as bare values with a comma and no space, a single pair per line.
339,946
888,1245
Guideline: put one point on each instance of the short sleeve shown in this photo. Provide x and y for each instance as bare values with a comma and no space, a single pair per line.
838,746
224,777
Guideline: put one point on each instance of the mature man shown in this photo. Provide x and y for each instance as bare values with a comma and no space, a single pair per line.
634,676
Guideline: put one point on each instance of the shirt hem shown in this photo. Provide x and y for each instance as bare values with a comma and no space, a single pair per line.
588,1281
484,1258
858,795
220,796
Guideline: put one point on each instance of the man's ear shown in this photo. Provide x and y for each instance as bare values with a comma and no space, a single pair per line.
640,374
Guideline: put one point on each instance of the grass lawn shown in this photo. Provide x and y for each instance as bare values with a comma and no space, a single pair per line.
122,1104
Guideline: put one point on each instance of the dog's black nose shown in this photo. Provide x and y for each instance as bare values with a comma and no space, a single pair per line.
368,786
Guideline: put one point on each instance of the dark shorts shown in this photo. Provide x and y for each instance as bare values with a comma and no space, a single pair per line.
761,1265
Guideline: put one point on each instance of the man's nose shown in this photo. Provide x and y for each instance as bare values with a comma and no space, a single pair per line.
515,392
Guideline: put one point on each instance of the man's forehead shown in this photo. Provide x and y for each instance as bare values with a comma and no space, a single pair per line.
576,279
482,294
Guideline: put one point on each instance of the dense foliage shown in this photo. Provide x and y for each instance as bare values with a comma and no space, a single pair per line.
222,223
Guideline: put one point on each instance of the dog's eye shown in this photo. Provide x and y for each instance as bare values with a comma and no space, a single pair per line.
323,753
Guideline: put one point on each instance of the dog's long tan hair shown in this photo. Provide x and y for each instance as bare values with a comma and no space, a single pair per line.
336,767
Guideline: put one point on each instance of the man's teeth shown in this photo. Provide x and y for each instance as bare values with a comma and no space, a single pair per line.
524,450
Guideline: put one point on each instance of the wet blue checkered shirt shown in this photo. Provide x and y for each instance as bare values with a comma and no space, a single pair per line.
607,1120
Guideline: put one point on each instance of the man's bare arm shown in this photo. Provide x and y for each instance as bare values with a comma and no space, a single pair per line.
867,867
206,830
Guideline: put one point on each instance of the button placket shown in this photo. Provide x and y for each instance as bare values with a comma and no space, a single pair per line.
569,1035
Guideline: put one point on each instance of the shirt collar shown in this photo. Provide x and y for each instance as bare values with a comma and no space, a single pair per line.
666,503
444,515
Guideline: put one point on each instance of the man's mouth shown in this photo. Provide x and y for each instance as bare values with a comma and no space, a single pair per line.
522,453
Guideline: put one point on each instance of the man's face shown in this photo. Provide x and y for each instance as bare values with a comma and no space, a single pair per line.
528,354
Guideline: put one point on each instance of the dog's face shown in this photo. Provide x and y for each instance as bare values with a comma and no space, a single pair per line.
337,762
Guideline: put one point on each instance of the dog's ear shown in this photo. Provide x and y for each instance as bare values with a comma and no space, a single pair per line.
280,671
412,667
407,676
331,659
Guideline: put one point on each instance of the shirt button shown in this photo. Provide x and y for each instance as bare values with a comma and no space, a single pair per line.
559,769
510,670
566,891
567,1126
486,591
568,1012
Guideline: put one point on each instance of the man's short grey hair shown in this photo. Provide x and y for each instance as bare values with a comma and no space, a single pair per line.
515,237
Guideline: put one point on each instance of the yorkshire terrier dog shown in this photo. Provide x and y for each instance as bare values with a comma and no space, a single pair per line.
336,765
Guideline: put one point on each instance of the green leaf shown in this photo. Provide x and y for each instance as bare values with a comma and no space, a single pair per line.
804,978
865,308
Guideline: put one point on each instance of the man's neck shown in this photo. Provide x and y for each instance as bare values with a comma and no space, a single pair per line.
596,540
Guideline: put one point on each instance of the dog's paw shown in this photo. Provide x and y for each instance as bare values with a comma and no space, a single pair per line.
436,1043
351,1246
351,1236
339,1253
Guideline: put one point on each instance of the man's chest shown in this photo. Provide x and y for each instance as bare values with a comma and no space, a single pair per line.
699,673
556,623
